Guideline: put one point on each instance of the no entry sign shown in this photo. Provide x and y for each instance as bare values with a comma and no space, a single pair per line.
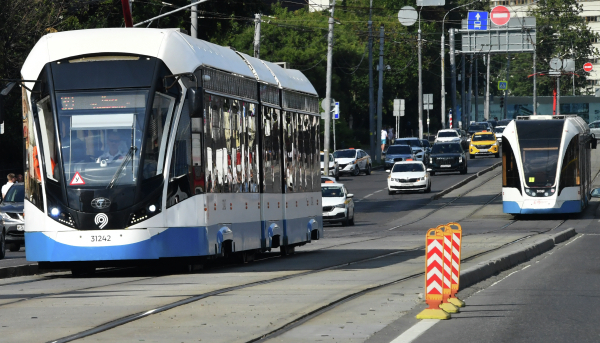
500,15
588,67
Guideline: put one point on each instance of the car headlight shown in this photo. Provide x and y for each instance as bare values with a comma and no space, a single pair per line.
459,159
5,216
422,178
389,160
430,160
340,206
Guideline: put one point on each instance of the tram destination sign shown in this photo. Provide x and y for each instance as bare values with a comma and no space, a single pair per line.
519,35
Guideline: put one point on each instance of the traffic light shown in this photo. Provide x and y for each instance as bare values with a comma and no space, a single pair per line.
501,102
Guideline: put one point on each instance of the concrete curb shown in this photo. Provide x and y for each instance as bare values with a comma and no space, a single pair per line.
465,181
22,270
489,268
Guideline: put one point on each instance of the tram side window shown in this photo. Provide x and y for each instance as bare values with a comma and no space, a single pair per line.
214,157
288,154
271,150
33,189
316,157
48,137
510,171
155,147
569,172
252,156
179,187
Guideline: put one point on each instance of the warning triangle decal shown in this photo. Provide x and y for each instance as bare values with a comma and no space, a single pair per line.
77,180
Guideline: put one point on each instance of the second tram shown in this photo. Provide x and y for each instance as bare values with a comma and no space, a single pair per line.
546,165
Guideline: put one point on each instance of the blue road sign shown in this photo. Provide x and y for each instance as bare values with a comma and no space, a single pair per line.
502,85
477,21
336,111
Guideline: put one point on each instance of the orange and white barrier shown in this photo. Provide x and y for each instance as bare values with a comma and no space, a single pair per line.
442,271
434,277
456,236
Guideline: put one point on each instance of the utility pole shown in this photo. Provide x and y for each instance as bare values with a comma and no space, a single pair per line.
327,106
372,135
468,119
476,89
534,84
194,17
486,110
420,43
463,95
453,73
257,19
443,91
380,91
558,95
506,90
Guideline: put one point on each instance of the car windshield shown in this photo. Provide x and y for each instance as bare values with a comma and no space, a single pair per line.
475,128
408,167
446,149
16,193
484,137
330,158
426,143
409,142
332,192
399,150
499,129
448,134
345,154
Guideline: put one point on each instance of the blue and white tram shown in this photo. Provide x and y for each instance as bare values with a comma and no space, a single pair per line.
146,144
546,165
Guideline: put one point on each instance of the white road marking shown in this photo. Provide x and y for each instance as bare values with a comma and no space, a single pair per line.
581,235
415,331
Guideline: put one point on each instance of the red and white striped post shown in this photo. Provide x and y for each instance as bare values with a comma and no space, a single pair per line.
456,234
434,278
446,306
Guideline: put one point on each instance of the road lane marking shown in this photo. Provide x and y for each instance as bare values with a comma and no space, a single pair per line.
575,239
415,331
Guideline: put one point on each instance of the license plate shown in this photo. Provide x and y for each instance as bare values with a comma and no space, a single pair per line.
541,204
20,227
445,166
483,150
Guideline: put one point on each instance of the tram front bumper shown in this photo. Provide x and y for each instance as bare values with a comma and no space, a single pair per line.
542,206
113,245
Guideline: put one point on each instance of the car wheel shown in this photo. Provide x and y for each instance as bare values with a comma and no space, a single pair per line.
356,171
471,156
2,245
14,247
390,192
368,171
497,155
337,176
432,173
428,189
464,171
351,221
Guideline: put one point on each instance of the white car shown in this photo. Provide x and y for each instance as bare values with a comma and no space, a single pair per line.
333,166
408,176
447,135
498,130
338,205
353,161
595,128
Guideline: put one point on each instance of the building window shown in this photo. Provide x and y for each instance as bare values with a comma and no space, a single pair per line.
591,19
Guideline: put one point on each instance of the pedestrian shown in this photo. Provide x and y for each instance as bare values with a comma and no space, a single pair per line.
390,135
20,178
383,139
6,187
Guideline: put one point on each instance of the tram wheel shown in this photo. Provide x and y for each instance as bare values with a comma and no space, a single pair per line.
287,250
80,271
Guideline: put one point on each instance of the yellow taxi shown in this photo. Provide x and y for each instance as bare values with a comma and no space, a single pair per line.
484,143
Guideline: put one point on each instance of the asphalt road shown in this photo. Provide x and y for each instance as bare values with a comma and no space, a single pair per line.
553,298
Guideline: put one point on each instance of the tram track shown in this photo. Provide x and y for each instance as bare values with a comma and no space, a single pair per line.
297,321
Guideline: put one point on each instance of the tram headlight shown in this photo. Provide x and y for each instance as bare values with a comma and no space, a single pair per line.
152,208
54,211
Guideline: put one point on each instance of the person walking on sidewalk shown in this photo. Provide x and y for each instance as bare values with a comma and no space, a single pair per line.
6,187
383,139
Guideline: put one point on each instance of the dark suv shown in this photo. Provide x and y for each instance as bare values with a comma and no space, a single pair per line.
12,221
447,157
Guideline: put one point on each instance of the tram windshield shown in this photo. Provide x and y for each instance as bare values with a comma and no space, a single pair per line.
101,134
539,141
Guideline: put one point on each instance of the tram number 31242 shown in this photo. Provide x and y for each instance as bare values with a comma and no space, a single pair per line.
101,238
